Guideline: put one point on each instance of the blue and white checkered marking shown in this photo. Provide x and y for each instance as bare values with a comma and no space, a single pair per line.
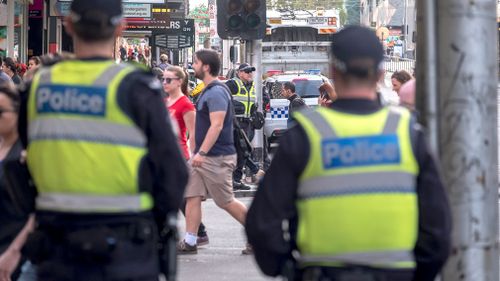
279,112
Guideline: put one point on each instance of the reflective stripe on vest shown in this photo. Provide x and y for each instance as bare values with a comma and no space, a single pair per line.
246,97
363,183
100,132
358,189
84,151
80,203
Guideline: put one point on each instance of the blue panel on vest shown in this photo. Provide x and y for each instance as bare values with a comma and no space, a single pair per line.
70,99
360,151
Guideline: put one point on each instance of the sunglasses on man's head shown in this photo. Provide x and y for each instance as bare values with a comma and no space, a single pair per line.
168,80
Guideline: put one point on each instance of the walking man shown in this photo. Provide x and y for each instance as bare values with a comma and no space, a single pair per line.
215,155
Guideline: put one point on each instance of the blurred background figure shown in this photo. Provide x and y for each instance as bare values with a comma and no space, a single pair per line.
10,68
407,95
398,78
164,62
14,200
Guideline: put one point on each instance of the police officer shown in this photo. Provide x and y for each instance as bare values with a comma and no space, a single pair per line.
353,192
243,90
101,154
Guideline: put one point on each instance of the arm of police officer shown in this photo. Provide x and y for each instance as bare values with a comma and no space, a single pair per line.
434,230
233,88
274,203
164,168
10,258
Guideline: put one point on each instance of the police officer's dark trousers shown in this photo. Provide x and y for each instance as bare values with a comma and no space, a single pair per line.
95,247
243,155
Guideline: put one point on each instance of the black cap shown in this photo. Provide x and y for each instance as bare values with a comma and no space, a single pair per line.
357,50
97,12
246,67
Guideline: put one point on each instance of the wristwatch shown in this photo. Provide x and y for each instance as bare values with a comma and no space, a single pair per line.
202,153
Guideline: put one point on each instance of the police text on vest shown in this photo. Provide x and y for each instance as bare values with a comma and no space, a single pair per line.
360,151
71,99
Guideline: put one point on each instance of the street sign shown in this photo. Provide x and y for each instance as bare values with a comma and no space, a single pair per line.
174,41
171,26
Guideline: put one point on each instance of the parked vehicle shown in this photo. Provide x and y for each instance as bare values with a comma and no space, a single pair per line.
306,86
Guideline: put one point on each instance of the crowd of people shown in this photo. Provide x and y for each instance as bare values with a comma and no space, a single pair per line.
97,158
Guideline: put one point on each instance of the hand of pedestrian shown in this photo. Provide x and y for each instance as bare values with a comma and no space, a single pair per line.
8,263
197,160
324,102
328,88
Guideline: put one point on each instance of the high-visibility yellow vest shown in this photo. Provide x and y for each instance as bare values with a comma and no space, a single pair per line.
198,89
357,201
246,97
84,152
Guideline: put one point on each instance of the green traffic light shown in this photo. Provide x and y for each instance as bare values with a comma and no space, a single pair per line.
235,22
253,21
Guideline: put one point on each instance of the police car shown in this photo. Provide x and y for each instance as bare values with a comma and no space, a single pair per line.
306,86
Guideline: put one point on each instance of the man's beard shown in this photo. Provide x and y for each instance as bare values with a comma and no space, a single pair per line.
199,75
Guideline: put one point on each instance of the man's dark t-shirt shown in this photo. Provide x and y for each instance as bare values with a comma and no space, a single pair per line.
296,103
213,99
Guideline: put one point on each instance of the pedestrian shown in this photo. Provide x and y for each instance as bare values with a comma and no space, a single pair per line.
107,174
10,68
407,95
15,207
3,76
242,88
296,102
180,107
215,155
398,78
164,63
183,112
353,188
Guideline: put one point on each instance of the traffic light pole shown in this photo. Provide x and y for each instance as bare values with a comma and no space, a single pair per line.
257,63
468,131
426,71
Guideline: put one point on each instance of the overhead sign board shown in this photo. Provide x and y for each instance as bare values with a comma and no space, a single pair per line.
133,10
179,34
172,26
60,8
175,41
133,1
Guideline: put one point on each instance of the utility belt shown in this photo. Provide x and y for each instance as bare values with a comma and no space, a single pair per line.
84,243
351,273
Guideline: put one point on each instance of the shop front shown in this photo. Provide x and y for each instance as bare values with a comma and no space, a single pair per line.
14,29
